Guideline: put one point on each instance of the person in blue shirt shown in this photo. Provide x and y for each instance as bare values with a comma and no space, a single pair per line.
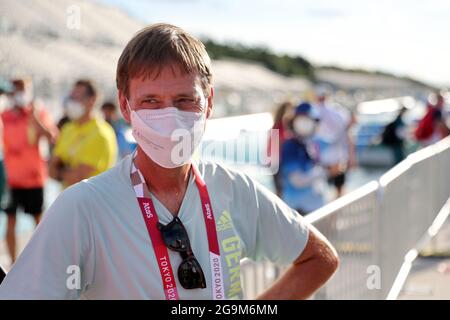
300,173
111,115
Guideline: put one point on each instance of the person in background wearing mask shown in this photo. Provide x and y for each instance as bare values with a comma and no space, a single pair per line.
23,126
337,151
300,173
158,225
87,144
111,115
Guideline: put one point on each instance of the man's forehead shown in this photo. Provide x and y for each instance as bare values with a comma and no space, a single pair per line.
166,82
78,89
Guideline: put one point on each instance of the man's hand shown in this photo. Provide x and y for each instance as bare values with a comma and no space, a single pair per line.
68,176
311,270
74,175
55,168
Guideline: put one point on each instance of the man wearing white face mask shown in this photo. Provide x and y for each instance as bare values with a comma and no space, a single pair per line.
335,143
87,145
300,173
159,225
23,127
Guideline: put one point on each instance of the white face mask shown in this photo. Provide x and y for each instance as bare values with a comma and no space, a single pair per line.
74,109
22,99
5,102
168,136
304,126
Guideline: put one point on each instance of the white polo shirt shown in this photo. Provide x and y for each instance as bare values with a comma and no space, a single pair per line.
332,133
97,225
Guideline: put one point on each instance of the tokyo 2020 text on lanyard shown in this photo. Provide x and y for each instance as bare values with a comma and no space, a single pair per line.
162,255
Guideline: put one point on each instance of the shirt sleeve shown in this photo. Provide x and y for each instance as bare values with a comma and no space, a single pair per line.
58,261
272,230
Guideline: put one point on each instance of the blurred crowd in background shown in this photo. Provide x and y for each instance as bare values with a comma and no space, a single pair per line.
317,146
83,143
315,138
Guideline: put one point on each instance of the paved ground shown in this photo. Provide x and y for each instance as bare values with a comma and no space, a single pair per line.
429,277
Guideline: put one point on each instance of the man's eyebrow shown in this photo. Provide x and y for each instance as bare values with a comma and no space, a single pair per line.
191,94
147,96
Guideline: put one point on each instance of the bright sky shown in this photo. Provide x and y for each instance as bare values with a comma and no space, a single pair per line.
405,37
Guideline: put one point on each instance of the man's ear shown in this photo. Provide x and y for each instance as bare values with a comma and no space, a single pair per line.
209,110
123,106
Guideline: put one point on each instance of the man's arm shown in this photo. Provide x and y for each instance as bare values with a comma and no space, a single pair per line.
68,176
43,128
74,175
352,161
272,231
316,264
55,168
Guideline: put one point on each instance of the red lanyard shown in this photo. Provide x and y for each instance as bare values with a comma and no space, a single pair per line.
161,252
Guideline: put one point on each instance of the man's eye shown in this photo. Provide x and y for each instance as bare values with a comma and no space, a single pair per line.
185,100
150,101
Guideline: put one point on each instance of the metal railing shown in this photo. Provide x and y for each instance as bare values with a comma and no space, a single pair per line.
373,227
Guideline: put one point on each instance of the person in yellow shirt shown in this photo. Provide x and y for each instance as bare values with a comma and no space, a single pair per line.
87,144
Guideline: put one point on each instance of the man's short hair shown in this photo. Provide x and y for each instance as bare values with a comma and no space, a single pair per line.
24,82
91,90
158,46
109,105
